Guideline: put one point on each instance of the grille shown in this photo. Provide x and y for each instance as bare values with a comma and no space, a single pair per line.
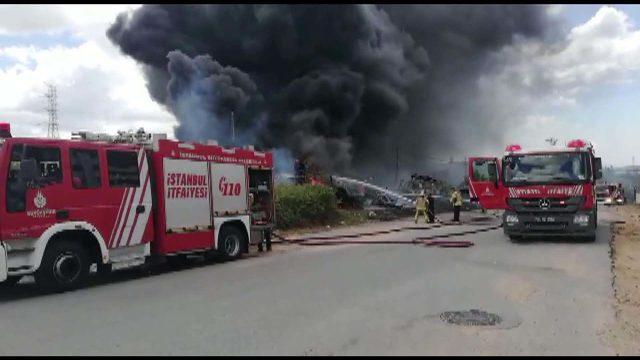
532,205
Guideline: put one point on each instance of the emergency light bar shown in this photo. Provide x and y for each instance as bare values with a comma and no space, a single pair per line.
578,143
573,144
5,130
513,147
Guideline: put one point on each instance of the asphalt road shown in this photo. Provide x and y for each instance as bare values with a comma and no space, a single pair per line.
554,298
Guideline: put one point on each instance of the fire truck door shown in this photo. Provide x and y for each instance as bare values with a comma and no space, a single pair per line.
485,183
128,171
34,205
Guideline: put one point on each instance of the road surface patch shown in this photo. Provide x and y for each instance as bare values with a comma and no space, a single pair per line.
471,317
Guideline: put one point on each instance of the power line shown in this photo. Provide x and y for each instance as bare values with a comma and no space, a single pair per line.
397,174
233,129
52,110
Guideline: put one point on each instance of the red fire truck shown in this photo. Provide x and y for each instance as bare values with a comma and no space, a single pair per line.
542,192
112,202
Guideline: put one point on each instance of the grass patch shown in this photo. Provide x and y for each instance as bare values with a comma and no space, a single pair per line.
351,217
305,205
309,206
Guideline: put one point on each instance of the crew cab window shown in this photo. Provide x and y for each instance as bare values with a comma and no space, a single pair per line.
47,159
123,168
85,168
481,170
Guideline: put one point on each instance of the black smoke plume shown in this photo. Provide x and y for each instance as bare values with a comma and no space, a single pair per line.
345,85
202,93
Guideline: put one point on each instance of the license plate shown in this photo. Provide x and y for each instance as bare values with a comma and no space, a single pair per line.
545,219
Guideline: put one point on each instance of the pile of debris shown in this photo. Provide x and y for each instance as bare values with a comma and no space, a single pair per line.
381,202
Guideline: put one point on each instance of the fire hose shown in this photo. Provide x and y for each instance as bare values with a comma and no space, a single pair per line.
424,240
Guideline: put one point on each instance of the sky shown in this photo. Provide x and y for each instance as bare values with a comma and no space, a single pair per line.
587,85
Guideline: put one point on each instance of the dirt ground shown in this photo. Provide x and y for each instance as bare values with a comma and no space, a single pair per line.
624,334
345,218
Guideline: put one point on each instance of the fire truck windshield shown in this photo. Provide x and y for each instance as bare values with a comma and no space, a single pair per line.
547,168
602,190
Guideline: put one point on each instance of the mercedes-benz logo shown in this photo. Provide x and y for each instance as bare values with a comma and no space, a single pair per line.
545,203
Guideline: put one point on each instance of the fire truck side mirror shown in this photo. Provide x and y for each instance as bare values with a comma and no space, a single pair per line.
598,168
29,171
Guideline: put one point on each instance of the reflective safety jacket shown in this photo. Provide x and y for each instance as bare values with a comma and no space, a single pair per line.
421,203
456,198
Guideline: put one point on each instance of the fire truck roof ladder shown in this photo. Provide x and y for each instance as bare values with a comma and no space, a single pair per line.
123,137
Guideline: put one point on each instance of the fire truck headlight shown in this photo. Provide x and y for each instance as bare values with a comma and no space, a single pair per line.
581,219
511,219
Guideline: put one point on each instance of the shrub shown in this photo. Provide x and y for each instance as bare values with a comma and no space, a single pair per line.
303,205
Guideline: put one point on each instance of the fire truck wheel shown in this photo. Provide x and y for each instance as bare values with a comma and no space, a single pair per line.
65,266
231,242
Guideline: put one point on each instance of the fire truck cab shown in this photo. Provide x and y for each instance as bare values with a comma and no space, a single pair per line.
610,194
548,192
124,201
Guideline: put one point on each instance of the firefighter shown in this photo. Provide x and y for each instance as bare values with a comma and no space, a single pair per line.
421,207
432,208
456,201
